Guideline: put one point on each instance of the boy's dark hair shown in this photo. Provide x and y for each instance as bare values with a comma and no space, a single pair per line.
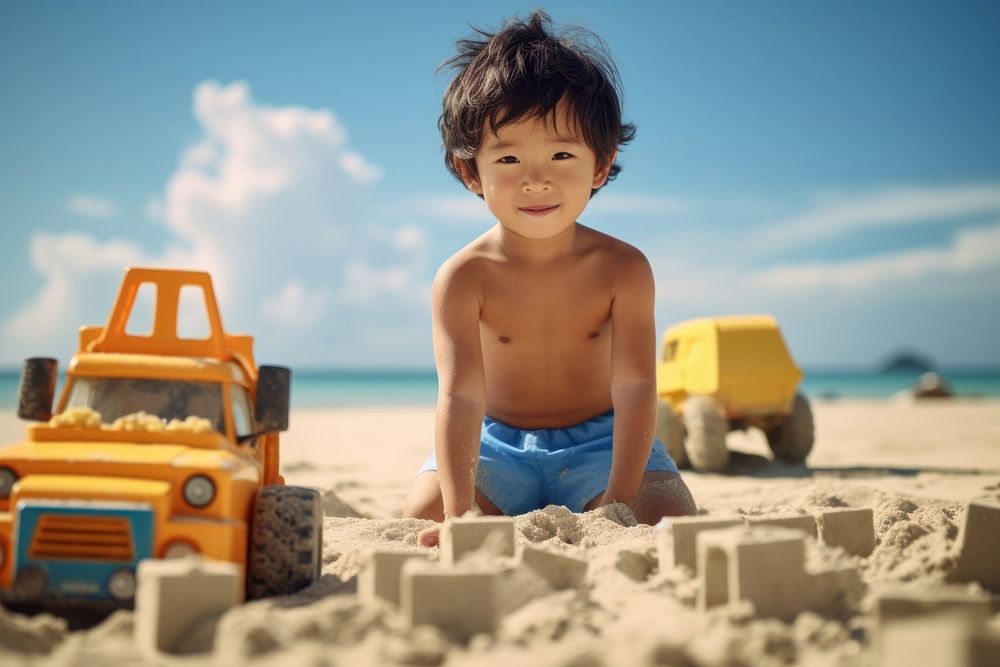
523,71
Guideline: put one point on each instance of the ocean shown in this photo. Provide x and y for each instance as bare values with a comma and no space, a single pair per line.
332,388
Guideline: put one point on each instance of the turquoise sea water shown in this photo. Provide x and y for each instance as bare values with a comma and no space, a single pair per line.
316,388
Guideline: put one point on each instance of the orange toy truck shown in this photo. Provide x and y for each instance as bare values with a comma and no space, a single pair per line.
160,446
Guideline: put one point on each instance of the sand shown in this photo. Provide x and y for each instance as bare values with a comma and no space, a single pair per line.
914,464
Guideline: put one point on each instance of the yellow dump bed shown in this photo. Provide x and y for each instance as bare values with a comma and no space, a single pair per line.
741,360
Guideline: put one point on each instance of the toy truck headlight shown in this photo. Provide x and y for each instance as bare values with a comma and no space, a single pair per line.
121,585
7,479
199,491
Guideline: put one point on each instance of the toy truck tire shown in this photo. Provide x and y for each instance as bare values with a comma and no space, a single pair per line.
670,431
706,429
793,439
286,541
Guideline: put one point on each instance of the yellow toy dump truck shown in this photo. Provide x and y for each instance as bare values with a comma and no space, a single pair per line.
719,374
160,446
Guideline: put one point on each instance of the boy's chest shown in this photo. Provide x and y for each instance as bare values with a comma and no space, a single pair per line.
526,308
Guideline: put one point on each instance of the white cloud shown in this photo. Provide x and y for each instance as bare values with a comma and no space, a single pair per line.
410,238
362,171
893,207
251,152
90,206
295,305
366,283
265,190
939,299
633,203
70,264
202,154
154,209
719,266
972,250
465,208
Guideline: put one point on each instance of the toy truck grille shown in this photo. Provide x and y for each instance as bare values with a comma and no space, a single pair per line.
87,537
79,550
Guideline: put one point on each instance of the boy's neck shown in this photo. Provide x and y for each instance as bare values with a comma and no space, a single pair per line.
520,247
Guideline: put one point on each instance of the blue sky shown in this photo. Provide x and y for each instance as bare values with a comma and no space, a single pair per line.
836,164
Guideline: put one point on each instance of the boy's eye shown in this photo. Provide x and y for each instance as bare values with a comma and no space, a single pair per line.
507,159
562,155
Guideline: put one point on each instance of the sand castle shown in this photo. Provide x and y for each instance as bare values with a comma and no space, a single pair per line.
761,560
477,580
484,571
851,529
174,595
980,539
758,559
766,566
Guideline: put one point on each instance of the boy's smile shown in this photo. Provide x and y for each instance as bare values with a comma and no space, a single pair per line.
539,210
536,174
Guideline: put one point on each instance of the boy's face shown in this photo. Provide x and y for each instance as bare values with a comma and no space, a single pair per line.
536,178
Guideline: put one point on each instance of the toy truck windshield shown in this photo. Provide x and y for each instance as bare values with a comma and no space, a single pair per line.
167,399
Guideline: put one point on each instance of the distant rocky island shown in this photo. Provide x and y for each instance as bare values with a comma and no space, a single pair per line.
907,362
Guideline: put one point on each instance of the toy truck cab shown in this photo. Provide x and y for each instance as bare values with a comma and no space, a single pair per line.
717,374
160,446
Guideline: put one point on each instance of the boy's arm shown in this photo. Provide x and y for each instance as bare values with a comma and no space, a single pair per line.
461,405
633,378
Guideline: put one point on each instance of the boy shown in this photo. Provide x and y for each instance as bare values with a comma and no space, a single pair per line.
543,330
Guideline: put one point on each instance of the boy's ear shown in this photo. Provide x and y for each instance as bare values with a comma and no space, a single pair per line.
602,171
470,181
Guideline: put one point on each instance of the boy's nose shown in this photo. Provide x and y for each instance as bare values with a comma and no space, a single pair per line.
536,182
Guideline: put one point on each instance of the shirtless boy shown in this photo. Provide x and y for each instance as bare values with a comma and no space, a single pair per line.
543,329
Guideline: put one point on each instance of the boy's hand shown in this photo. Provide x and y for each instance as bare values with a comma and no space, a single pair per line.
429,537
610,500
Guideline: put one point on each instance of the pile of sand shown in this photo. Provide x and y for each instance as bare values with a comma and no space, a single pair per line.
626,612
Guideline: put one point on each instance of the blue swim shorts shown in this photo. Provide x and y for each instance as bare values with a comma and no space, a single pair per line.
522,470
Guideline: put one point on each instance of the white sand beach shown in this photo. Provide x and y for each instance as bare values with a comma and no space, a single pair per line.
914,464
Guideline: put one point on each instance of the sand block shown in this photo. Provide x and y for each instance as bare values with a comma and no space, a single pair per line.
380,578
850,528
559,570
979,537
462,536
891,606
942,639
173,595
677,537
835,590
803,522
461,603
765,565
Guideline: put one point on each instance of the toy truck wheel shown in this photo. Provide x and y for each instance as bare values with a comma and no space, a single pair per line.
793,439
670,431
706,429
286,541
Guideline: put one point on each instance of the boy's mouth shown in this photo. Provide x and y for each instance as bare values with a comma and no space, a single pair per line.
538,210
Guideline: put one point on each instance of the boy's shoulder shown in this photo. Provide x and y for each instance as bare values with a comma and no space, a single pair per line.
470,265
617,254
467,265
